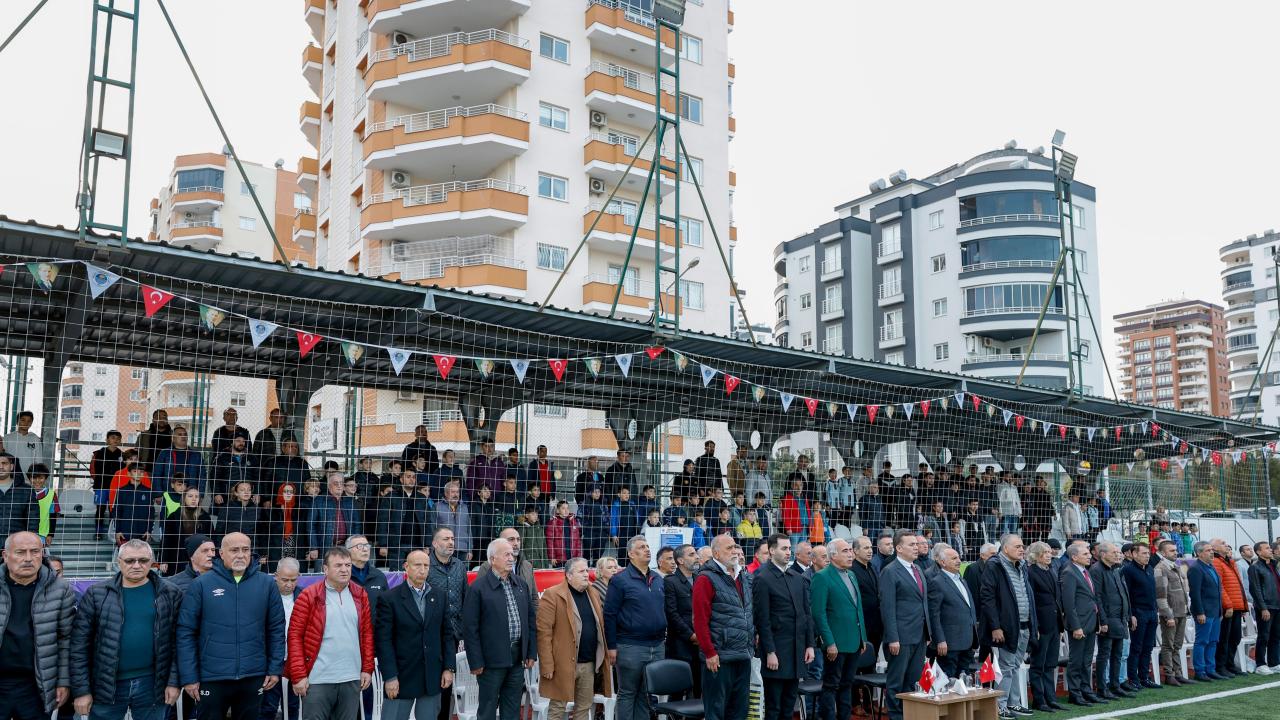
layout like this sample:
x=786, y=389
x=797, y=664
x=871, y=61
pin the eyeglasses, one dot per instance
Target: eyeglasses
x=135, y=561
x=359, y=546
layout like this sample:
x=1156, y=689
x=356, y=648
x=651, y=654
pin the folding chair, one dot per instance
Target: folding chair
x=669, y=677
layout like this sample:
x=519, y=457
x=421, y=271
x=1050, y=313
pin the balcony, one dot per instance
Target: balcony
x=308, y=174
x=606, y=156
x=619, y=29
x=1010, y=322
x=198, y=235
x=889, y=294
x=313, y=67
x=309, y=122
x=421, y=17
x=314, y=12
x=1004, y=219
x=1243, y=371
x=481, y=263
x=635, y=300
x=1237, y=290
x=304, y=225
x=987, y=268
x=833, y=347
x=624, y=95
x=467, y=68
x=892, y=336
x=476, y=207
x=733, y=126
x=887, y=252
x=455, y=141
x=832, y=308
x=1007, y=360
x=200, y=200
x=612, y=233
x=780, y=290
x=832, y=269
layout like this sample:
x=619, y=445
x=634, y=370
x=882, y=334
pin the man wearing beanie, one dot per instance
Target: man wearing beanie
x=201, y=551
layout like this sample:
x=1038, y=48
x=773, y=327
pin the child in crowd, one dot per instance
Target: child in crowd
x=47, y=508
x=749, y=528
x=533, y=539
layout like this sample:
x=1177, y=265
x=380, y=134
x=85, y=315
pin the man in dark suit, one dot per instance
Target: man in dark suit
x=678, y=594
x=868, y=578
x=415, y=644
x=499, y=630
x=780, y=603
x=1114, y=620
x=1080, y=615
x=904, y=609
x=952, y=614
x=1140, y=582
x=1010, y=618
x=1204, y=589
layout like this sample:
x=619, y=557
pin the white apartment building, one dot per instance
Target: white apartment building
x=472, y=143
x=1249, y=291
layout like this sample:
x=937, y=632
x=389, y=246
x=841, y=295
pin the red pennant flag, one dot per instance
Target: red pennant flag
x=977, y=402
x=1018, y=420
x=153, y=299
x=871, y=413
x=987, y=673
x=306, y=341
x=654, y=352
x=1062, y=431
x=1182, y=447
x=924, y=408
x=1155, y=429
x=444, y=363
x=557, y=369
x=926, y=679
x=1164, y=464
x=1117, y=433
x=812, y=404
x=730, y=384
x=1216, y=457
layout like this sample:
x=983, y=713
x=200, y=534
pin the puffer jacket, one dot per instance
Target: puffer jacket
x=306, y=630
x=52, y=613
x=1232, y=589
x=230, y=630
x=95, y=639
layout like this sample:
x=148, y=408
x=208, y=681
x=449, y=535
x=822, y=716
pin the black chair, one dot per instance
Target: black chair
x=878, y=683
x=671, y=677
x=807, y=689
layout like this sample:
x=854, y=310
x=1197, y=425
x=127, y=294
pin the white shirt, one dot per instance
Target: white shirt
x=959, y=583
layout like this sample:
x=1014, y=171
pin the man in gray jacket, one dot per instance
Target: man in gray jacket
x=37, y=609
x=1171, y=604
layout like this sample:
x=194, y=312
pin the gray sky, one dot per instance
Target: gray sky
x=1170, y=107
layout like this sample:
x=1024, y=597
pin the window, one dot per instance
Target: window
x=550, y=46
x=942, y=351
x=1143, y=344
x=895, y=358
x=135, y=417
x=99, y=414
x=244, y=188
x=1077, y=216
x=99, y=392
x=890, y=240
x=555, y=188
x=693, y=428
x=553, y=116
x=248, y=223
x=893, y=319
x=1006, y=248
x=831, y=258
x=938, y=262
x=199, y=179
x=632, y=284
x=101, y=370
x=940, y=307
x=691, y=108
x=691, y=49
x=692, y=169
x=1241, y=341
x=301, y=201
x=781, y=307
x=136, y=395
x=806, y=339
x=1142, y=357
x=691, y=295
x=551, y=257
x=832, y=301
x=99, y=437
x=806, y=301
x=834, y=340
x=1162, y=341
x=891, y=281
x=72, y=391
x=1008, y=202
x=935, y=220
x=1011, y=297
x=138, y=374
x=70, y=413
x=804, y=261
x=239, y=399
x=556, y=411
x=1082, y=261
x=691, y=231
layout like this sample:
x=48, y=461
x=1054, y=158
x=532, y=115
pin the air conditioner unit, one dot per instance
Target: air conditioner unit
x=403, y=394
x=401, y=38
x=597, y=186
x=597, y=119
x=400, y=180
x=988, y=342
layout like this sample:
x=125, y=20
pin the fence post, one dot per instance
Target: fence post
x=1266, y=476
x=1222, y=489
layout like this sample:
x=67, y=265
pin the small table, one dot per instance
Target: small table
x=978, y=704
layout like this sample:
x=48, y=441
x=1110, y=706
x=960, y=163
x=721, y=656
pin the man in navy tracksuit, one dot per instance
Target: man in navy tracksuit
x=635, y=627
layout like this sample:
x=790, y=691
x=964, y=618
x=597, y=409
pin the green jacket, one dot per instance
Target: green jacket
x=837, y=615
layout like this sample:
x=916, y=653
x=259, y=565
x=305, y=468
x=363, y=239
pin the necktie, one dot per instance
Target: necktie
x=340, y=526
x=915, y=573
x=1088, y=580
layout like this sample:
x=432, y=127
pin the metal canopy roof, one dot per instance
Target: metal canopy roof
x=378, y=312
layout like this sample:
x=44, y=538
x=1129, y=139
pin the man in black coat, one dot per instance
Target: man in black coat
x=785, y=627
x=500, y=644
x=421, y=446
x=677, y=591
x=1009, y=612
x=415, y=643
x=1080, y=617
x=1114, y=621
x=864, y=571
x=973, y=579
x=707, y=470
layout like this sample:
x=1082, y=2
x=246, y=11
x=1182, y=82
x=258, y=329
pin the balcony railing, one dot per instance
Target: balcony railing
x=831, y=266
x=833, y=347
x=1022, y=217
x=628, y=214
x=200, y=188
x=633, y=286
x=442, y=45
x=1013, y=357
x=628, y=149
x=832, y=305
x=439, y=192
x=1237, y=285
x=891, y=332
x=888, y=290
x=1009, y=265
x=630, y=12
x=362, y=40
x=1053, y=310
x=436, y=119
x=435, y=267
x=407, y=421
x=197, y=224
x=887, y=249
x=641, y=82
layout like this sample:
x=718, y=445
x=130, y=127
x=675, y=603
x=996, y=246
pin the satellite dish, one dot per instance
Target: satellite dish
x=1019, y=462
x=857, y=448
x=1011, y=145
x=944, y=456
x=632, y=428
x=755, y=439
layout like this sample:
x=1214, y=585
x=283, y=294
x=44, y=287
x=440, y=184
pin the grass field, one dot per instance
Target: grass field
x=1260, y=705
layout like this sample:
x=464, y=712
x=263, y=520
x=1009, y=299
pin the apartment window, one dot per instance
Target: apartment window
x=804, y=261
x=693, y=427
x=553, y=116
x=138, y=374
x=239, y=399
x=831, y=299
x=691, y=295
x=72, y=391
x=99, y=414
x=99, y=437
x=935, y=220
x=806, y=301
x=135, y=417
x=890, y=239
x=691, y=169
x=551, y=257
x=1144, y=344
x=834, y=340
x=891, y=281
x=1077, y=216
x=248, y=223
x=781, y=307
x=691, y=231
x=301, y=201
x=1162, y=341
x=691, y=49
x=942, y=351
x=940, y=307
x=553, y=187
x=1082, y=261
x=199, y=179
x=631, y=285
x=244, y=188
x=895, y=358
x=938, y=262
x=893, y=319
x=136, y=395
x=553, y=411
x=99, y=392
x=550, y=46
x=806, y=339
x=70, y=413
x=101, y=370
x=691, y=108
x=831, y=258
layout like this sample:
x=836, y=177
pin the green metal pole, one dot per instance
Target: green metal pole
x=22, y=24
x=631, y=244
x=1044, y=308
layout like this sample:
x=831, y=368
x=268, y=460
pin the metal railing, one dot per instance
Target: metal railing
x=629, y=217
x=831, y=347
x=887, y=249
x=197, y=224
x=832, y=305
x=439, y=192
x=326, y=144
x=442, y=45
x=1019, y=217
x=630, y=12
x=831, y=266
x=1237, y=285
x=435, y=267
x=641, y=82
x=359, y=103
x=407, y=421
x=632, y=286
x=1013, y=357
x=888, y=290
x=200, y=188
x=1008, y=264
x=436, y=119
x=362, y=41
x=891, y=332
x=628, y=149
x=1052, y=310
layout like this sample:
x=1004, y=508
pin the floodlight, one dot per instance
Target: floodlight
x=1059, y=137
x=1066, y=166
x=669, y=11
x=109, y=143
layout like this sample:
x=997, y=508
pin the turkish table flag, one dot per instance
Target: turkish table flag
x=926, y=679
x=987, y=673
x=153, y=299
x=306, y=341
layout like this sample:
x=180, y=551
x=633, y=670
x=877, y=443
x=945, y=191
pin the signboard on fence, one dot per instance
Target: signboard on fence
x=661, y=537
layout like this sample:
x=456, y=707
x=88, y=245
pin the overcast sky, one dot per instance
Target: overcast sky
x=1171, y=107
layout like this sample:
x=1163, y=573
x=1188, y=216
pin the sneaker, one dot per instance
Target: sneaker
x=1264, y=670
x=1275, y=669
x=1007, y=715
x=1019, y=710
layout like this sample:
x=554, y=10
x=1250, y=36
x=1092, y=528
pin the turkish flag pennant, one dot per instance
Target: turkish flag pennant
x=812, y=404
x=987, y=673
x=557, y=369
x=1182, y=448
x=444, y=363
x=730, y=384
x=977, y=402
x=654, y=352
x=306, y=341
x=153, y=299
x=1164, y=464
x=1216, y=457
x=1062, y=431
x=924, y=408
x=1118, y=431
x=1155, y=429
x=871, y=413
x=926, y=679
x=1018, y=420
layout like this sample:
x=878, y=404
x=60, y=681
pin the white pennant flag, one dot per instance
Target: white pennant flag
x=99, y=279
x=1235, y=456
x=1182, y=463
x=260, y=330
x=708, y=373
x=1173, y=444
x=1144, y=427
x=624, y=363
x=399, y=358
x=521, y=367
x=907, y=408
x=1092, y=430
x=786, y=400
x=1008, y=415
x=853, y=410
x=959, y=399
x=1204, y=453
x=1130, y=466
x=1047, y=428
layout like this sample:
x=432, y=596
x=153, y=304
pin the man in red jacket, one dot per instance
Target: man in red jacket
x=330, y=658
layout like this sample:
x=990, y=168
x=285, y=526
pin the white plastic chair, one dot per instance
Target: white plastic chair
x=466, y=691
x=537, y=704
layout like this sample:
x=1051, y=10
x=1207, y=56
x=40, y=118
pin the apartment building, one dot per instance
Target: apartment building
x=1251, y=315
x=472, y=143
x=1173, y=355
x=949, y=272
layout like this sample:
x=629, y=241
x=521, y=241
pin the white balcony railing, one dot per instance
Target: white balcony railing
x=832, y=305
x=630, y=12
x=833, y=347
x=200, y=188
x=1023, y=217
x=362, y=41
x=197, y=224
x=407, y=421
x=1053, y=310
x=641, y=82
x=891, y=332
x=888, y=249
x=628, y=213
x=436, y=119
x=1009, y=265
x=1013, y=357
x=439, y=192
x=888, y=290
x=831, y=266
x=442, y=45
x=435, y=267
